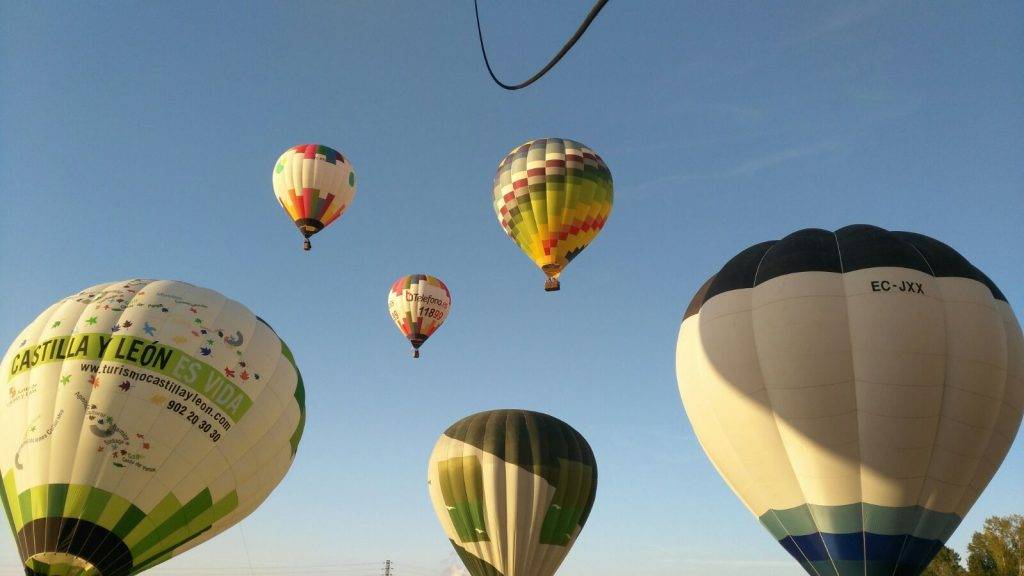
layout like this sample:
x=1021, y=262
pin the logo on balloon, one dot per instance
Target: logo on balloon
x=125, y=449
x=32, y=428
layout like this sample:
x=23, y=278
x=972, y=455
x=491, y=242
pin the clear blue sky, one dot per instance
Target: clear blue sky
x=137, y=140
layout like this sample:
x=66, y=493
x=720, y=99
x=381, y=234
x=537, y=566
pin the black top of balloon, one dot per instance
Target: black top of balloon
x=851, y=248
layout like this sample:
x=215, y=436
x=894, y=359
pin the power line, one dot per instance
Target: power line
x=258, y=567
x=418, y=571
x=565, y=49
x=336, y=569
x=323, y=569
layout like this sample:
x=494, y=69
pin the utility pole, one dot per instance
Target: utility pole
x=387, y=568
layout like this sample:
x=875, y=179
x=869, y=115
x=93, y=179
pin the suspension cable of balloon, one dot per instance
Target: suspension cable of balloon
x=245, y=546
x=565, y=49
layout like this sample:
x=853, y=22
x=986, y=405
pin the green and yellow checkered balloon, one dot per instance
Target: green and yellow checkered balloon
x=552, y=197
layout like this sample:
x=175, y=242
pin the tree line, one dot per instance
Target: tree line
x=996, y=550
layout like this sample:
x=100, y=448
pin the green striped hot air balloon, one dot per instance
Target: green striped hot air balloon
x=512, y=490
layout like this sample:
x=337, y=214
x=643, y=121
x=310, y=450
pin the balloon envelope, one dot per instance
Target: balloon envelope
x=314, y=184
x=856, y=389
x=512, y=490
x=552, y=197
x=418, y=305
x=140, y=419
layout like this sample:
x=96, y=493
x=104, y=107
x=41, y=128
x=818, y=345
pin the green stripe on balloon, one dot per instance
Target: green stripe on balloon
x=56, y=496
x=462, y=488
x=884, y=520
x=131, y=518
x=176, y=521
x=8, y=483
x=300, y=398
x=167, y=553
x=476, y=566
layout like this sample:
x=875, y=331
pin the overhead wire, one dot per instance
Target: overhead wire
x=340, y=569
x=551, y=64
x=288, y=571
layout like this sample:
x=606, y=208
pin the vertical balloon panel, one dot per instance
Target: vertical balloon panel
x=1010, y=414
x=734, y=423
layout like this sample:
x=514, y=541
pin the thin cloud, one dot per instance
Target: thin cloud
x=645, y=148
x=842, y=18
x=776, y=158
x=453, y=566
x=749, y=166
x=785, y=563
x=640, y=437
x=676, y=556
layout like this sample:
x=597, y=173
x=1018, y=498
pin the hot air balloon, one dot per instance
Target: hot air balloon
x=418, y=304
x=552, y=197
x=512, y=490
x=856, y=389
x=141, y=418
x=314, y=184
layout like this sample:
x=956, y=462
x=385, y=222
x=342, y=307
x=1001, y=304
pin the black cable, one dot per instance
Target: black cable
x=568, y=46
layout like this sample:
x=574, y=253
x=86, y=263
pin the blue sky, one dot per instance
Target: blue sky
x=137, y=140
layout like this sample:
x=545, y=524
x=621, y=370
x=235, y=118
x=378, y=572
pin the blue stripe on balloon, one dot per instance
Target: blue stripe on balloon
x=812, y=546
x=919, y=552
x=844, y=546
x=885, y=548
x=792, y=548
x=905, y=550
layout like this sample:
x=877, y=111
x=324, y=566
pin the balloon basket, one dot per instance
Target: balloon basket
x=306, y=245
x=552, y=285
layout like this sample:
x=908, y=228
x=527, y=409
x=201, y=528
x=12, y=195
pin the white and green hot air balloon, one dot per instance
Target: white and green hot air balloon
x=856, y=389
x=512, y=490
x=140, y=419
